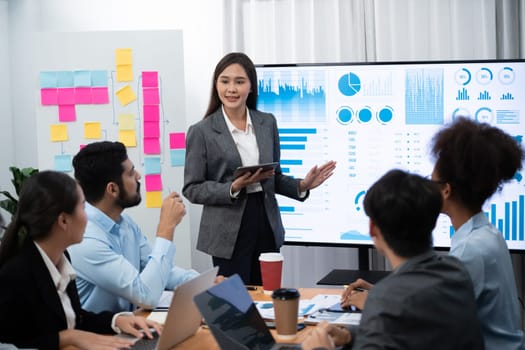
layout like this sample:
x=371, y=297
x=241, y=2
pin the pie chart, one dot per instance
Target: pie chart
x=349, y=84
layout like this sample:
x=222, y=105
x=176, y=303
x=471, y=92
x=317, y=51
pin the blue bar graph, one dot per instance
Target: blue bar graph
x=512, y=223
x=285, y=146
x=297, y=131
x=424, y=97
x=285, y=170
x=294, y=138
x=514, y=220
x=521, y=216
x=507, y=221
x=291, y=162
x=463, y=95
x=287, y=209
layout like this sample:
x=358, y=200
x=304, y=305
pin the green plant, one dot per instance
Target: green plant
x=10, y=204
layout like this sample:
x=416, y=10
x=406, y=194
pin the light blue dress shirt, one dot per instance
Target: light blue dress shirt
x=485, y=254
x=118, y=270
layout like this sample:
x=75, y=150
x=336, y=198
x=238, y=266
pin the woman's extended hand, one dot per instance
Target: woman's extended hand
x=316, y=176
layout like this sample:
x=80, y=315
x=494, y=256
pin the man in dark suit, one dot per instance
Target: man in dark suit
x=428, y=299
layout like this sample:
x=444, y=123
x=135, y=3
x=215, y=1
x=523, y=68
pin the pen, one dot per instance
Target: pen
x=357, y=289
x=251, y=287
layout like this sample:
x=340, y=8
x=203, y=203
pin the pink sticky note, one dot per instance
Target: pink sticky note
x=177, y=140
x=99, y=95
x=152, y=145
x=83, y=95
x=49, y=97
x=151, y=113
x=67, y=113
x=66, y=96
x=153, y=183
x=150, y=79
x=151, y=129
x=151, y=96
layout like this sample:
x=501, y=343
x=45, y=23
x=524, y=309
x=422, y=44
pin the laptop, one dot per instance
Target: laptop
x=183, y=318
x=234, y=319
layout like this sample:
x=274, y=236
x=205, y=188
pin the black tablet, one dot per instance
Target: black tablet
x=253, y=168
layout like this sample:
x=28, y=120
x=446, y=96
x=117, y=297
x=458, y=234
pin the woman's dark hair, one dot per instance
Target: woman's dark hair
x=42, y=198
x=475, y=159
x=96, y=165
x=405, y=208
x=249, y=67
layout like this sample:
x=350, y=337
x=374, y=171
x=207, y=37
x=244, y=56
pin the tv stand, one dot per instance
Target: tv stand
x=343, y=276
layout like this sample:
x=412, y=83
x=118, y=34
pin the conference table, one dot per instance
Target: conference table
x=203, y=338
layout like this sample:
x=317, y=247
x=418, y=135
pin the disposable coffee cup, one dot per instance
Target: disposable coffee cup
x=286, y=308
x=271, y=271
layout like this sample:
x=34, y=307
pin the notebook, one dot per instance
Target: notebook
x=234, y=319
x=183, y=318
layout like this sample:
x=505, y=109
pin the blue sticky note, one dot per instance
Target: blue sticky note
x=99, y=78
x=177, y=157
x=151, y=165
x=48, y=79
x=65, y=79
x=63, y=162
x=82, y=78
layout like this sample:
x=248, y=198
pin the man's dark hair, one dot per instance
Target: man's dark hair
x=405, y=208
x=96, y=165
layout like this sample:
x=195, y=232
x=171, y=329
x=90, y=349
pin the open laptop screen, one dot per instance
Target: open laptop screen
x=232, y=316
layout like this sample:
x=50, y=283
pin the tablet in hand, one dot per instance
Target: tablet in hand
x=253, y=168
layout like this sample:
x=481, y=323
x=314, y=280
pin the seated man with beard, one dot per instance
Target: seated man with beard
x=117, y=268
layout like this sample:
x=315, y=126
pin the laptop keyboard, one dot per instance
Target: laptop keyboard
x=146, y=343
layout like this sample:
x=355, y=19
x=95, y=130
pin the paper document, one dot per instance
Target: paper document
x=158, y=316
x=340, y=318
x=165, y=300
x=306, y=306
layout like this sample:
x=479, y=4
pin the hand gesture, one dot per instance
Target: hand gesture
x=316, y=176
x=356, y=293
x=171, y=214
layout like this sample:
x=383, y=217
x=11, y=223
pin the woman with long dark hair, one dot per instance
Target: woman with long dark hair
x=38, y=297
x=241, y=217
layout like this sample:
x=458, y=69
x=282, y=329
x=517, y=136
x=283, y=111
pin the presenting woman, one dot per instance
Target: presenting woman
x=240, y=218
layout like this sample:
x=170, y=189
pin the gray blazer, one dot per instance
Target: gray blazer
x=211, y=159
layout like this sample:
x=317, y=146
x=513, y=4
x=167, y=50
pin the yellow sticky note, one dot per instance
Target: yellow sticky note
x=154, y=199
x=126, y=122
x=123, y=56
x=92, y=130
x=59, y=132
x=126, y=95
x=124, y=72
x=128, y=138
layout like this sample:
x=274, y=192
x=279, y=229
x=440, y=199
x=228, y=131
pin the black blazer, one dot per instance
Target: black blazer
x=31, y=314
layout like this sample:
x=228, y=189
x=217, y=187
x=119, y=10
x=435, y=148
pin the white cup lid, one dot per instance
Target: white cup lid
x=271, y=257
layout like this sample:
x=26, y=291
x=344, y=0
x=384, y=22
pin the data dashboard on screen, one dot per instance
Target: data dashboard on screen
x=371, y=118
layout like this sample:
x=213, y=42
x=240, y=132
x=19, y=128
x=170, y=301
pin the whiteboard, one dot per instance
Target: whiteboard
x=160, y=51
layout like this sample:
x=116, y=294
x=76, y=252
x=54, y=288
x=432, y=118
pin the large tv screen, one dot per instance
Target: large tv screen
x=374, y=117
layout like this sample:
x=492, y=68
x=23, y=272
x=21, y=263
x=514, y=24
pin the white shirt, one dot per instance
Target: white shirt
x=61, y=274
x=246, y=145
